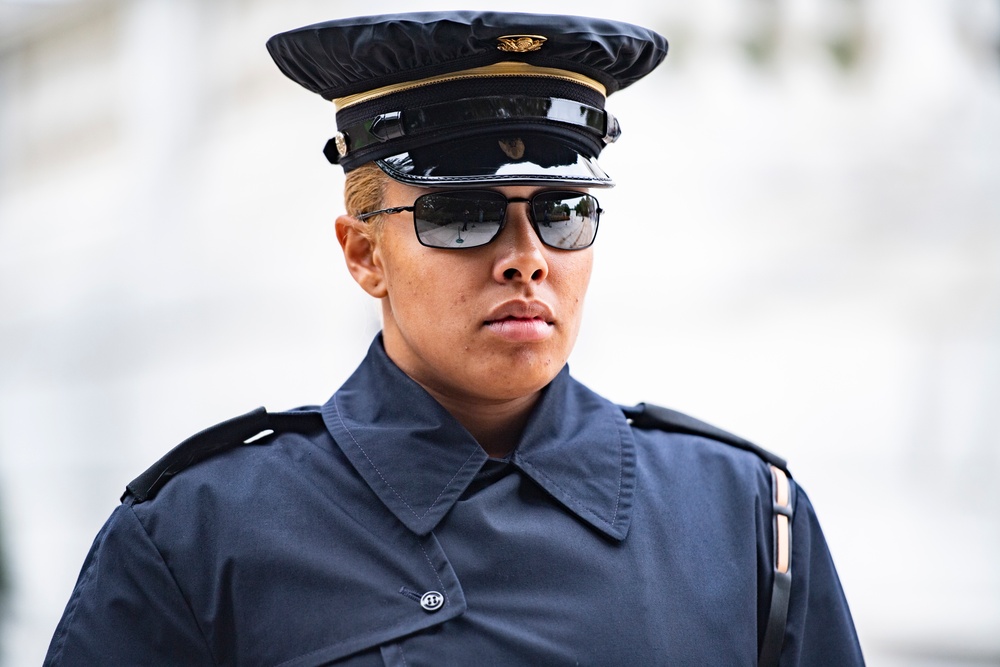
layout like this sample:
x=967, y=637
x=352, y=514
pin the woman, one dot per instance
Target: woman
x=483, y=330
x=462, y=498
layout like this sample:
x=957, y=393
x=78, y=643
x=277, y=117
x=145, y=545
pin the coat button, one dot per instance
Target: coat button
x=431, y=601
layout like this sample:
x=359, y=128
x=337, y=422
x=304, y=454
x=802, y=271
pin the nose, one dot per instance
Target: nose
x=521, y=256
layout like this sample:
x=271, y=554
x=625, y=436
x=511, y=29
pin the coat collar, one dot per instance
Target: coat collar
x=419, y=460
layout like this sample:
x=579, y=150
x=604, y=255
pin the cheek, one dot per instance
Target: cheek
x=577, y=278
x=425, y=299
x=401, y=264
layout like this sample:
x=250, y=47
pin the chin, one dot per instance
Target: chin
x=523, y=373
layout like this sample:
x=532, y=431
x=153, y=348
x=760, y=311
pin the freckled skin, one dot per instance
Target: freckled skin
x=435, y=304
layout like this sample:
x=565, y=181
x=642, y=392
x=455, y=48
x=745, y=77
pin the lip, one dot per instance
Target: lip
x=521, y=310
x=521, y=321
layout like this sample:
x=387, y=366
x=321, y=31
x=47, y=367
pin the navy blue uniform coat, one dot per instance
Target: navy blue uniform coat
x=593, y=543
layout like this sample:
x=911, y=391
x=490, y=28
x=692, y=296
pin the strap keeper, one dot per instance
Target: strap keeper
x=782, y=509
x=388, y=126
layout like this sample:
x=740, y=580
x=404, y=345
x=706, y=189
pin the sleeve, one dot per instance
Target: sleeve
x=126, y=608
x=819, y=630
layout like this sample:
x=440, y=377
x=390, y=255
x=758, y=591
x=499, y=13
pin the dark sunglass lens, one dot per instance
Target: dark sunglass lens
x=566, y=220
x=458, y=219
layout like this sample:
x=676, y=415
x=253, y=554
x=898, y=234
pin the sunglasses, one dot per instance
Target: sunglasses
x=472, y=218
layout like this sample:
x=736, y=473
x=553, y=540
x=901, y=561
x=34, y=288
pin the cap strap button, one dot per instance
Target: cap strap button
x=612, y=130
x=340, y=140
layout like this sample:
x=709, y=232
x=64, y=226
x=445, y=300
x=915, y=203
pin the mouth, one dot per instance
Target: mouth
x=518, y=309
x=512, y=318
x=521, y=321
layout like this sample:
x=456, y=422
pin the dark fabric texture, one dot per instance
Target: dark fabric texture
x=347, y=56
x=593, y=543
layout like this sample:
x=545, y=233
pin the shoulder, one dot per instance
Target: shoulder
x=243, y=485
x=686, y=456
x=647, y=416
x=241, y=470
x=231, y=437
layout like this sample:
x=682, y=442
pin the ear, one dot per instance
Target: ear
x=361, y=256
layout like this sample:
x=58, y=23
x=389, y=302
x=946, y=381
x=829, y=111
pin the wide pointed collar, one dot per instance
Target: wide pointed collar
x=419, y=460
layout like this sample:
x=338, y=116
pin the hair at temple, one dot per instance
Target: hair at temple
x=364, y=190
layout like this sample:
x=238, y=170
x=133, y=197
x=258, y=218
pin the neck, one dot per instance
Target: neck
x=496, y=425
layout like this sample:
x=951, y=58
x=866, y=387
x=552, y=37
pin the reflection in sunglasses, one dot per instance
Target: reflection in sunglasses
x=467, y=219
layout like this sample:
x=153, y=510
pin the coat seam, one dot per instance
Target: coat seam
x=180, y=591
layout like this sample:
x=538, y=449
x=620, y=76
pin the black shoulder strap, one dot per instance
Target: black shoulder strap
x=783, y=499
x=231, y=433
x=645, y=415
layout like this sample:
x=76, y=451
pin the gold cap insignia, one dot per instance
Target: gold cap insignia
x=520, y=43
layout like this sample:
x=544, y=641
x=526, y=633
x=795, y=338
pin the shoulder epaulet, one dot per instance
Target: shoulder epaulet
x=647, y=415
x=221, y=437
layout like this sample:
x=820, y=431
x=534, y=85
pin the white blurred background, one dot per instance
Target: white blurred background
x=804, y=248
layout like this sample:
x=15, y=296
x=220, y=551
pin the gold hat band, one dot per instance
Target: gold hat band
x=497, y=69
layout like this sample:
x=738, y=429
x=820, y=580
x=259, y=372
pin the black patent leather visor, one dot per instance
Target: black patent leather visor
x=525, y=159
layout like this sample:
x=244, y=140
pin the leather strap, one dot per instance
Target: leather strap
x=774, y=635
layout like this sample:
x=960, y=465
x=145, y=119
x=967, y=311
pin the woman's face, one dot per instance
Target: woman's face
x=491, y=323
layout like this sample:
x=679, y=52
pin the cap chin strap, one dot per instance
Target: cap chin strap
x=474, y=110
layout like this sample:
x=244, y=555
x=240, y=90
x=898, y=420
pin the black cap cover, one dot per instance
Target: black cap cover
x=471, y=98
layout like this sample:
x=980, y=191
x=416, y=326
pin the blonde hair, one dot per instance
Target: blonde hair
x=364, y=191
